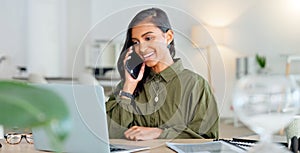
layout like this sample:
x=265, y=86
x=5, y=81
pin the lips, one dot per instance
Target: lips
x=148, y=55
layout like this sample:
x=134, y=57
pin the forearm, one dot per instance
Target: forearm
x=188, y=133
x=177, y=132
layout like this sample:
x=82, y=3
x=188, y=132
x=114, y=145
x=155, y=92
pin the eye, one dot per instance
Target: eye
x=134, y=42
x=148, y=38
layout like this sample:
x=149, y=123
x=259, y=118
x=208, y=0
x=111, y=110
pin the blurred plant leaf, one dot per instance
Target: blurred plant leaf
x=26, y=106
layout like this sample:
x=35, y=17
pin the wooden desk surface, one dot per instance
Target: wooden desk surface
x=155, y=145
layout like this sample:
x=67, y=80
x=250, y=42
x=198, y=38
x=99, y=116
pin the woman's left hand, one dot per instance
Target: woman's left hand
x=142, y=133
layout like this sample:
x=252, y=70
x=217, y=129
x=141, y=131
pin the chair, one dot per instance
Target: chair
x=289, y=60
x=296, y=77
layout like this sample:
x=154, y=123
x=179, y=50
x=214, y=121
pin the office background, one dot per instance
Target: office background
x=47, y=36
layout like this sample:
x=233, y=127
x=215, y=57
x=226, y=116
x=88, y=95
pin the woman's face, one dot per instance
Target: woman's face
x=151, y=44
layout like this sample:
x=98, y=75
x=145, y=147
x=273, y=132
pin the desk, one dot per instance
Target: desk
x=23, y=147
x=155, y=145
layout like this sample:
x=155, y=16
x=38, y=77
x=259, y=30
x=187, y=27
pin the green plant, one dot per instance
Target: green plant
x=27, y=106
x=261, y=61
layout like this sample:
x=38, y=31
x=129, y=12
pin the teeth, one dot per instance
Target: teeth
x=148, y=55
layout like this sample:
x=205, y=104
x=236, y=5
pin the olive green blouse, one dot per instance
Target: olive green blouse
x=176, y=100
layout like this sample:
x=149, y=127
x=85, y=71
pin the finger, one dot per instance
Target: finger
x=141, y=73
x=132, y=133
x=129, y=57
x=135, y=135
x=130, y=130
x=129, y=51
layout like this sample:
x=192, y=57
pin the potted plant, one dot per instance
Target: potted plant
x=27, y=106
x=261, y=61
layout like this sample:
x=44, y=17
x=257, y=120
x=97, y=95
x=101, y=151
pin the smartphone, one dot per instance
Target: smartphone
x=134, y=64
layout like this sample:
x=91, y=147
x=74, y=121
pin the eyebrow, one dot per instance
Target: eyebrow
x=146, y=33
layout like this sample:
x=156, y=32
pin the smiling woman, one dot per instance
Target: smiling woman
x=165, y=100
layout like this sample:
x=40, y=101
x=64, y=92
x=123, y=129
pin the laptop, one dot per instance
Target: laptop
x=89, y=132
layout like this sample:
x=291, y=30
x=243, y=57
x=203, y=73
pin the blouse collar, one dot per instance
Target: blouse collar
x=169, y=73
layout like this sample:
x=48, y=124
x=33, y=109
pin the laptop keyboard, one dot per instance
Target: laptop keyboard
x=115, y=148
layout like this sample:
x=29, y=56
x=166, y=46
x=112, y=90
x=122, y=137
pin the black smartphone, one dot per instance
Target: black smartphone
x=134, y=64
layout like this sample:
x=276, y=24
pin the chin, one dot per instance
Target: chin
x=151, y=63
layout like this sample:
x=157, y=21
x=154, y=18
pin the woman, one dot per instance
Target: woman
x=165, y=100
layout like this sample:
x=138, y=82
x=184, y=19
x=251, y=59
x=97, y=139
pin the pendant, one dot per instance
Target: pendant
x=156, y=99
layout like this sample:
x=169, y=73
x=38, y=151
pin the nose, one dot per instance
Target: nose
x=143, y=47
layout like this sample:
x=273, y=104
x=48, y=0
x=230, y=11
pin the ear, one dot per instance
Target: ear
x=169, y=36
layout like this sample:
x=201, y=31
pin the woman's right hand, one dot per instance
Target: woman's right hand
x=131, y=83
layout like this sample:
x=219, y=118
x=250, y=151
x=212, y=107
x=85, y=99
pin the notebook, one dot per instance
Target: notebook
x=89, y=132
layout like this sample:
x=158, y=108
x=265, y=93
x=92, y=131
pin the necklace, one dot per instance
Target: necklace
x=156, y=90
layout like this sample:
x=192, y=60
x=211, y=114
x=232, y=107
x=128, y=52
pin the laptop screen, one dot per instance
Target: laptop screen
x=89, y=131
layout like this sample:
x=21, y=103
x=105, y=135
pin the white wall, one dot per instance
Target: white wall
x=12, y=36
x=45, y=36
x=12, y=29
x=268, y=28
x=78, y=24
